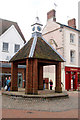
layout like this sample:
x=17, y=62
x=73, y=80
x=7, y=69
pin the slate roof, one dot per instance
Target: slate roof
x=68, y=26
x=37, y=47
x=6, y=24
x=23, y=53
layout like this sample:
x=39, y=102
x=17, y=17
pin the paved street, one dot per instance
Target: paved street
x=40, y=108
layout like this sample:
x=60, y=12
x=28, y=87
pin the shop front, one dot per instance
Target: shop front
x=72, y=78
x=6, y=72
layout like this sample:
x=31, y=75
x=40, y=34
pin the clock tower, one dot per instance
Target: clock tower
x=36, y=27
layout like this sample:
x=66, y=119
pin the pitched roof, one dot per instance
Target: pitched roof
x=68, y=26
x=37, y=47
x=5, y=24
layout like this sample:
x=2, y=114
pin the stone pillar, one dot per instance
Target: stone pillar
x=58, y=78
x=29, y=77
x=14, y=76
x=40, y=77
x=35, y=76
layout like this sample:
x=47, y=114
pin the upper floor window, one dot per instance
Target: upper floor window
x=79, y=40
x=72, y=36
x=17, y=47
x=72, y=56
x=79, y=55
x=5, y=46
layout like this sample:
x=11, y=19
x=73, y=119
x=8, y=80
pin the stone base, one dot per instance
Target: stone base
x=31, y=91
x=35, y=92
x=40, y=88
x=28, y=93
x=14, y=88
x=58, y=90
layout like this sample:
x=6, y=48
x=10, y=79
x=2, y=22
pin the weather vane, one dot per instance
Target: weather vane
x=55, y=5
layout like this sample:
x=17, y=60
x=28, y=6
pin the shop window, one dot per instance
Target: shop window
x=5, y=46
x=72, y=36
x=72, y=56
x=78, y=77
x=17, y=47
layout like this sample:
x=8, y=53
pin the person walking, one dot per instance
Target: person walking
x=8, y=83
x=5, y=84
x=51, y=84
x=5, y=81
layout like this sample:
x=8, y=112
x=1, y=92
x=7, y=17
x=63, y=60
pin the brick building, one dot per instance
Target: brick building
x=11, y=40
x=66, y=40
x=35, y=54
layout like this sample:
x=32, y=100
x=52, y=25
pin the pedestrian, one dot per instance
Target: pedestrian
x=5, y=84
x=5, y=81
x=8, y=83
x=62, y=84
x=51, y=84
x=44, y=84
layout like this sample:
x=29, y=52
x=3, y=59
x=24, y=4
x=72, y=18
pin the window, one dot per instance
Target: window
x=79, y=40
x=79, y=55
x=72, y=56
x=5, y=46
x=17, y=47
x=72, y=38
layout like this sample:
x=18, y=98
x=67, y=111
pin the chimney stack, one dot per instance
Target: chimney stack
x=51, y=15
x=72, y=23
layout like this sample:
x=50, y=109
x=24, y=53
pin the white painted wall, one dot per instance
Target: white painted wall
x=69, y=46
x=12, y=37
x=79, y=50
x=49, y=72
x=63, y=40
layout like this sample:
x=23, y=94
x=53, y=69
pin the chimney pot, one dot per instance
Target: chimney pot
x=51, y=14
x=72, y=23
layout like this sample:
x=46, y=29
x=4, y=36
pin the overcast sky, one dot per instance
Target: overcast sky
x=24, y=12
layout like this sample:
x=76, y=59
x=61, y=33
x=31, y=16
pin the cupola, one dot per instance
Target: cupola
x=36, y=26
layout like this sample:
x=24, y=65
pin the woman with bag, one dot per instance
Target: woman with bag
x=5, y=84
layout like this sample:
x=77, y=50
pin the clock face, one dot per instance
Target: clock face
x=38, y=28
x=33, y=29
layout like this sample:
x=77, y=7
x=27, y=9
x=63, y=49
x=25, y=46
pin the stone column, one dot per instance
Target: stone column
x=40, y=77
x=58, y=78
x=35, y=76
x=29, y=77
x=14, y=76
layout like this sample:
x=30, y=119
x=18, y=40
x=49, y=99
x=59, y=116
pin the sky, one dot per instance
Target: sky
x=24, y=12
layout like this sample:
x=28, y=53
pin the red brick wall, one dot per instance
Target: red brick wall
x=58, y=78
x=72, y=23
x=14, y=76
x=31, y=76
x=51, y=14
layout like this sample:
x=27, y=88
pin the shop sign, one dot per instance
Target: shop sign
x=74, y=69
